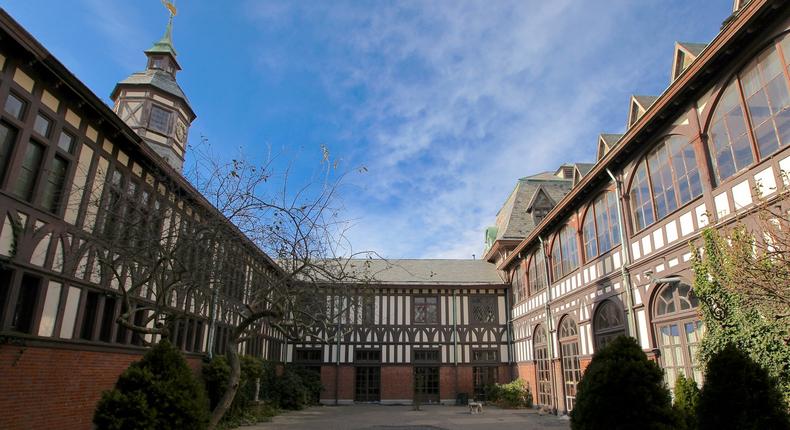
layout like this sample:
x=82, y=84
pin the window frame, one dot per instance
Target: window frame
x=664, y=143
x=565, y=265
x=169, y=121
x=414, y=318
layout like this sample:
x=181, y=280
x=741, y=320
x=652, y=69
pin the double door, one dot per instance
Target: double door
x=368, y=384
x=426, y=384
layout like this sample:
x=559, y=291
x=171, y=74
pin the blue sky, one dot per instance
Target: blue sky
x=446, y=103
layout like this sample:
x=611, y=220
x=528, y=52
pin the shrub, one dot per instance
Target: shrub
x=514, y=394
x=622, y=389
x=294, y=389
x=738, y=393
x=686, y=401
x=216, y=374
x=157, y=392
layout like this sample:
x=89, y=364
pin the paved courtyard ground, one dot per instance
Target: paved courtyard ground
x=379, y=417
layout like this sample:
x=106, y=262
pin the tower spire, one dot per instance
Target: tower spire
x=165, y=44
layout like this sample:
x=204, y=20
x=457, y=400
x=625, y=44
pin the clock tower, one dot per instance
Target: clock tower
x=152, y=103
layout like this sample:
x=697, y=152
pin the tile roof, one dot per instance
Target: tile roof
x=645, y=101
x=428, y=271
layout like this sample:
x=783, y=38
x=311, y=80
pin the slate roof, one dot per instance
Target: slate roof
x=646, y=101
x=156, y=78
x=694, y=48
x=584, y=168
x=611, y=139
x=513, y=221
x=428, y=271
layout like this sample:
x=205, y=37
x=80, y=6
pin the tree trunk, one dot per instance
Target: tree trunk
x=233, y=384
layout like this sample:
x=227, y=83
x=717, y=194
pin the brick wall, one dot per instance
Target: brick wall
x=526, y=371
x=345, y=386
x=42, y=388
x=397, y=382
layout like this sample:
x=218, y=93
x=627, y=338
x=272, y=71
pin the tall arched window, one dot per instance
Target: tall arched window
x=537, y=273
x=609, y=323
x=678, y=331
x=571, y=369
x=540, y=345
x=761, y=91
x=601, y=228
x=518, y=284
x=666, y=179
x=564, y=253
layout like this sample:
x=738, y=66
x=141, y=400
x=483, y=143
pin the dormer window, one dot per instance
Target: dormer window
x=635, y=113
x=639, y=105
x=685, y=54
x=158, y=63
x=159, y=120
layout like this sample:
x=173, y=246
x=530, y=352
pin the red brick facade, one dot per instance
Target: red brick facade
x=64, y=384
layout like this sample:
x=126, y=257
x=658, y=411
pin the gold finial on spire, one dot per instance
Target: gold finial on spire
x=170, y=6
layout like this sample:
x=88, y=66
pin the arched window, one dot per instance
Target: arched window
x=666, y=179
x=608, y=324
x=540, y=345
x=678, y=331
x=537, y=273
x=519, y=291
x=564, y=253
x=761, y=91
x=571, y=369
x=601, y=228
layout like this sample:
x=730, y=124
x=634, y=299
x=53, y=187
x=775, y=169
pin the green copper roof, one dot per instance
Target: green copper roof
x=165, y=44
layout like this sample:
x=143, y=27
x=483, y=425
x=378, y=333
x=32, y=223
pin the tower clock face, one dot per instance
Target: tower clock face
x=181, y=131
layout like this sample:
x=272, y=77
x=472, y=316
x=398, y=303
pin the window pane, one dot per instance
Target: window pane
x=589, y=234
x=15, y=106
x=42, y=125
x=160, y=119
x=66, y=142
x=7, y=139
x=729, y=143
x=28, y=171
x=53, y=187
x=641, y=202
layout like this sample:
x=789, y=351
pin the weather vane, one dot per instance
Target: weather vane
x=170, y=6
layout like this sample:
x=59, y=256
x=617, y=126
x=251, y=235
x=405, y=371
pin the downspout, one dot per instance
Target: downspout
x=549, y=329
x=510, y=347
x=212, y=324
x=337, y=362
x=455, y=345
x=626, y=259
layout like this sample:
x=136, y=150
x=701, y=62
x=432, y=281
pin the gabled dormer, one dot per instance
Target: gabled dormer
x=580, y=170
x=638, y=106
x=565, y=171
x=739, y=4
x=605, y=144
x=540, y=205
x=685, y=54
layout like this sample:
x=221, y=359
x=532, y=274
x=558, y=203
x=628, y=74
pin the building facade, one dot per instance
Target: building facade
x=702, y=154
x=577, y=257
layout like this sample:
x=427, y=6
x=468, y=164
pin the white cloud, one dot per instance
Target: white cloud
x=461, y=99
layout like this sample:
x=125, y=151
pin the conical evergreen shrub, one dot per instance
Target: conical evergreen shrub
x=158, y=392
x=622, y=390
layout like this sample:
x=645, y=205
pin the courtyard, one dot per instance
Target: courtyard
x=379, y=417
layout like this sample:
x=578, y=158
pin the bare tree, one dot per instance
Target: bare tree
x=315, y=283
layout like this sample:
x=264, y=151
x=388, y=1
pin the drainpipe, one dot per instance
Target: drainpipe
x=510, y=347
x=337, y=362
x=455, y=345
x=549, y=329
x=626, y=259
x=212, y=324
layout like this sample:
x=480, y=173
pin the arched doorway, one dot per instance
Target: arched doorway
x=678, y=331
x=569, y=354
